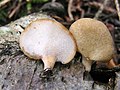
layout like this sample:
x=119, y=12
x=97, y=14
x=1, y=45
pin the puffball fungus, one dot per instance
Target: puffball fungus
x=94, y=41
x=48, y=40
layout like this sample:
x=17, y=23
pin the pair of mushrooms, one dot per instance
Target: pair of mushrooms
x=50, y=41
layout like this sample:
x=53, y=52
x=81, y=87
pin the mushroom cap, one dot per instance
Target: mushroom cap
x=93, y=39
x=47, y=37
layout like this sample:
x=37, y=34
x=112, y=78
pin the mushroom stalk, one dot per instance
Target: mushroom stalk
x=49, y=62
x=87, y=63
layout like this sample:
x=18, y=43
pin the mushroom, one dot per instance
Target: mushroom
x=94, y=41
x=48, y=40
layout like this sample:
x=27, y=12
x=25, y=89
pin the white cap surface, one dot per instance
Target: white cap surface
x=46, y=37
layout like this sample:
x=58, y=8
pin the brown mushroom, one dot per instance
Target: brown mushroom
x=94, y=41
x=48, y=40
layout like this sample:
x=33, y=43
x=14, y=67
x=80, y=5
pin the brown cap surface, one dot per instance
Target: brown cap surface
x=93, y=39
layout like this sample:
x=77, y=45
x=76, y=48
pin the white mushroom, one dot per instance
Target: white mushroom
x=48, y=40
x=94, y=41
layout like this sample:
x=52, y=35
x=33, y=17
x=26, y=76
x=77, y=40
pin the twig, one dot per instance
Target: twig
x=118, y=8
x=106, y=8
x=101, y=9
x=78, y=7
x=14, y=10
x=2, y=3
x=69, y=9
x=13, y=6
